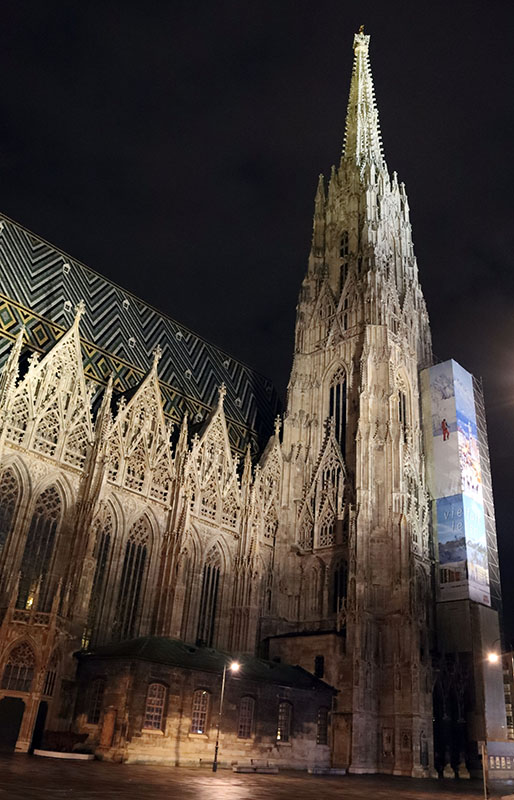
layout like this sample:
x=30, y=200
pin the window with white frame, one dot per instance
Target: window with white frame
x=154, y=709
x=246, y=711
x=199, y=717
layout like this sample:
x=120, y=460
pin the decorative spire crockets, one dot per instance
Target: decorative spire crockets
x=362, y=139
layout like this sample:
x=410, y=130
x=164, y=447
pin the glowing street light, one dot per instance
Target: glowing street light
x=233, y=667
x=493, y=656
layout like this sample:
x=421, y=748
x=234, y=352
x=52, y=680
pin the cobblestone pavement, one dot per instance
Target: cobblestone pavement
x=27, y=778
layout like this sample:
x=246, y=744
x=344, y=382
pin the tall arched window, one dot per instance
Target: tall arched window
x=285, y=714
x=402, y=413
x=132, y=574
x=8, y=499
x=209, y=598
x=340, y=585
x=154, y=708
x=103, y=540
x=337, y=408
x=19, y=670
x=39, y=547
x=245, y=724
x=200, y=711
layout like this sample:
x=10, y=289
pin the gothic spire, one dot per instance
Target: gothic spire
x=362, y=139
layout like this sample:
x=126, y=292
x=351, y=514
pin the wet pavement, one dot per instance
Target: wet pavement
x=30, y=777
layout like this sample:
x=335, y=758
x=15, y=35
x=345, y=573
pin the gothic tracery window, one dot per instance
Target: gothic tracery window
x=209, y=598
x=402, y=412
x=338, y=408
x=132, y=575
x=9, y=491
x=19, y=670
x=103, y=541
x=39, y=547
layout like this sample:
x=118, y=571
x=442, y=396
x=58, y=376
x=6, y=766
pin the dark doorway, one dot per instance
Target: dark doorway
x=39, y=727
x=11, y=715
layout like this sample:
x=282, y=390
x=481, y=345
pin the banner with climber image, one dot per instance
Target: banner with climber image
x=455, y=482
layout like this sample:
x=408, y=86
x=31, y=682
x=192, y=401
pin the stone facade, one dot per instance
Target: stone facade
x=114, y=527
x=153, y=711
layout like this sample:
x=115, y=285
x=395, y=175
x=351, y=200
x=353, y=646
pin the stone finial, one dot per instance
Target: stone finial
x=361, y=41
x=156, y=353
x=79, y=311
x=222, y=392
x=277, y=425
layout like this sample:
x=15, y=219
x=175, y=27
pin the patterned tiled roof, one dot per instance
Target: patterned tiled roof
x=40, y=287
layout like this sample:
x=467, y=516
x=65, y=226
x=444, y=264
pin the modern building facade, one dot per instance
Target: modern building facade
x=316, y=549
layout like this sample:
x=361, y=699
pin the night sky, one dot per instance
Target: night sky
x=175, y=148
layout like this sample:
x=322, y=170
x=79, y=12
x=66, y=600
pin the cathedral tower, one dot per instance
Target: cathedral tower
x=352, y=582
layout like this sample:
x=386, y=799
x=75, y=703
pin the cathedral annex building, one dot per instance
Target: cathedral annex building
x=158, y=515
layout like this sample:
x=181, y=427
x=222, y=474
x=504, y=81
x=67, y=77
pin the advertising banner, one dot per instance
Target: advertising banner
x=453, y=462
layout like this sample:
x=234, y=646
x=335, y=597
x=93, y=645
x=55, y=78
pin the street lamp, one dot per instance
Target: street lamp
x=233, y=667
x=493, y=657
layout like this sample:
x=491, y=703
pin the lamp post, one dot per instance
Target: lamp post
x=493, y=657
x=233, y=667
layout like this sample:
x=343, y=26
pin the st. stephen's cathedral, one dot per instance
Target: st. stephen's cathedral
x=151, y=490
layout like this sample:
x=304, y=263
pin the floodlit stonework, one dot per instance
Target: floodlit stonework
x=116, y=525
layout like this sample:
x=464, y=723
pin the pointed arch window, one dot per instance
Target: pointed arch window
x=315, y=591
x=132, y=575
x=209, y=599
x=344, y=245
x=19, y=670
x=39, y=547
x=306, y=535
x=338, y=408
x=402, y=413
x=9, y=492
x=339, y=586
x=103, y=542
x=154, y=708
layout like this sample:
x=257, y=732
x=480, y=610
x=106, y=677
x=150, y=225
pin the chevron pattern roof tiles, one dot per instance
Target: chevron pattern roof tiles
x=40, y=287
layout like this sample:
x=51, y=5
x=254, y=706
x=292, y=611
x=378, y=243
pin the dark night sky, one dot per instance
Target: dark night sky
x=175, y=148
